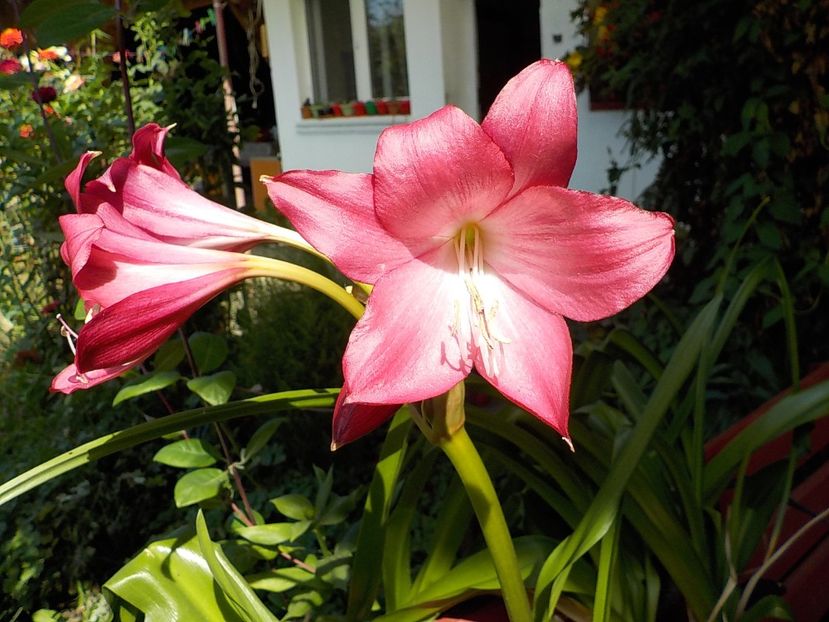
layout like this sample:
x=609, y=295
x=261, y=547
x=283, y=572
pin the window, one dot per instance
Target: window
x=357, y=50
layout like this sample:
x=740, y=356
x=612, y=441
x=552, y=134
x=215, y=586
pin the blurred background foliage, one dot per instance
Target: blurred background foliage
x=732, y=97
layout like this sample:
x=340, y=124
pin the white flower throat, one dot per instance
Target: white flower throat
x=482, y=302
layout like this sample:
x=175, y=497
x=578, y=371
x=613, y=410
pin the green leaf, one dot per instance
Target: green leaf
x=47, y=615
x=260, y=438
x=269, y=534
x=73, y=22
x=208, y=350
x=604, y=506
x=169, y=355
x=240, y=595
x=284, y=579
x=368, y=556
x=214, y=389
x=790, y=412
x=199, y=485
x=14, y=81
x=770, y=607
x=170, y=580
x=294, y=506
x=79, y=313
x=187, y=454
x=151, y=430
x=477, y=572
x=182, y=150
x=146, y=384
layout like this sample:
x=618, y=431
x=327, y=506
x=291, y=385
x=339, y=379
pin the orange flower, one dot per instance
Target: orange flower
x=47, y=54
x=10, y=38
x=26, y=130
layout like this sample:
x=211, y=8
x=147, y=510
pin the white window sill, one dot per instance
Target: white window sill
x=349, y=125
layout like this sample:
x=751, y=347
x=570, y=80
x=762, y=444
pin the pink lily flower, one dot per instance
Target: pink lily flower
x=149, y=193
x=139, y=290
x=477, y=251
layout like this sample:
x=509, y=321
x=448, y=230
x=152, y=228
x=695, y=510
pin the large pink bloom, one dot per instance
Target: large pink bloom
x=148, y=192
x=139, y=288
x=477, y=251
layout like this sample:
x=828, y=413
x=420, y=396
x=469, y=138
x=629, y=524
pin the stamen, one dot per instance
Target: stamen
x=66, y=331
x=482, y=312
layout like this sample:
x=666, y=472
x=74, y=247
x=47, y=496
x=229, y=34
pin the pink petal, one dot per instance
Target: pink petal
x=585, y=256
x=137, y=325
x=534, y=122
x=351, y=421
x=533, y=369
x=334, y=211
x=148, y=149
x=433, y=175
x=73, y=180
x=68, y=380
x=119, y=266
x=162, y=205
x=403, y=349
x=79, y=231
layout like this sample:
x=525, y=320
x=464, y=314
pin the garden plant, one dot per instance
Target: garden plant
x=524, y=421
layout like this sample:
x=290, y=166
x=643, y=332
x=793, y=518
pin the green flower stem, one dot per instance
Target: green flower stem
x=264, y=266
x=467, y=462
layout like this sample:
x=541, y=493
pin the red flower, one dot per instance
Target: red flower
x=44, y=95
x=10, y=66
x=26, y=130
x=10, y=38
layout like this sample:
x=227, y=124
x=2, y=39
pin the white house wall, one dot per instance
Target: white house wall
x=442, y=67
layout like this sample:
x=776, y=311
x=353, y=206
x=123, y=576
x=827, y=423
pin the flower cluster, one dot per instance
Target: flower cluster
x=145, y=252
x=474, y=246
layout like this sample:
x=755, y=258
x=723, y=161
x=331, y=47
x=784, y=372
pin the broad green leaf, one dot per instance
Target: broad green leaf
x=187, y=454
x=151, y=430
x=170, y=580
x=261, y=437
x=169, y=355
x=294, y=506
x=339, y=507
x=368, y=556
x=208, y=350
x=146, y=384
x=214, y=389
x=239, y=594
x=271, y=534
x=284, y=579
x=73, y=22
x=199, y=485
x=38, y=11
x=47, y=615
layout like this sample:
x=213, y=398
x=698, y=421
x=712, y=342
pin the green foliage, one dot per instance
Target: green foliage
x=739, y=113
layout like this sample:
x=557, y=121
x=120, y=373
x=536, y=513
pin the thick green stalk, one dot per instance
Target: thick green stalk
x=467, y=462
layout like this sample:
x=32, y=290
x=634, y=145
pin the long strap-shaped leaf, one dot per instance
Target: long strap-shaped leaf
x=366, y=573
x=602, y=511
x=124, y=439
